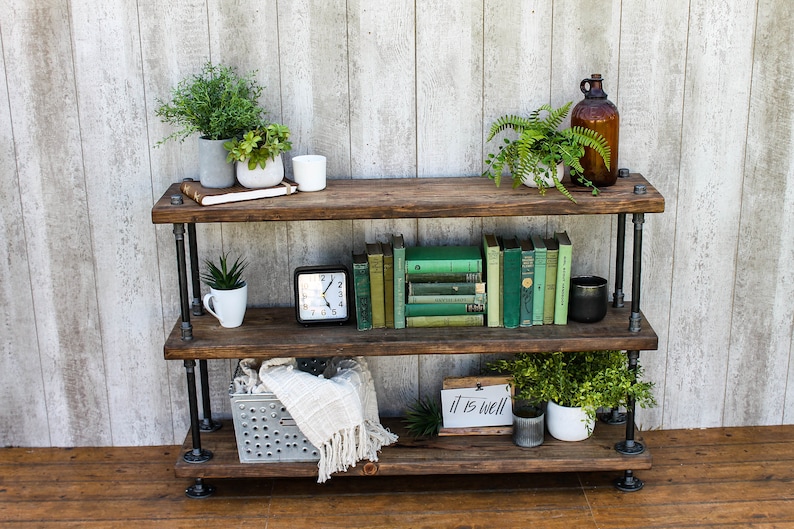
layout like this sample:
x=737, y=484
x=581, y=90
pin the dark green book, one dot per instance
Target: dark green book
x=361, y=292
x=527, y=283
x=443, y=309
x=442, y=259
x=511, y=291
x=562, y=293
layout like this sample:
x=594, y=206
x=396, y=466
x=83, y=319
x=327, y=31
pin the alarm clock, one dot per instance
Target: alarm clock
x=322, y=294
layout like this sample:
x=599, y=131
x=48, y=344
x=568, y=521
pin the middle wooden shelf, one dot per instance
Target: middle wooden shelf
x=273, y=333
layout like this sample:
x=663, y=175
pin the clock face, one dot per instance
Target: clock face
x=321, y=294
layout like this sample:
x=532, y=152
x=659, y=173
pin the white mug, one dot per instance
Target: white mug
x=227, y=305
x=308, y=171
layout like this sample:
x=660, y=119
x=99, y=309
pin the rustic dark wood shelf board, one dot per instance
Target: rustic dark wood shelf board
x=392, y=198
x=273, y=332
x=480, y=454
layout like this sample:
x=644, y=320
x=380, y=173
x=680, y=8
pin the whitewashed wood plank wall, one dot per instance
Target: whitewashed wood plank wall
x=384, y=88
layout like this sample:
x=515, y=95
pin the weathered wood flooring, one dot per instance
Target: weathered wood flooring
x=724, y=477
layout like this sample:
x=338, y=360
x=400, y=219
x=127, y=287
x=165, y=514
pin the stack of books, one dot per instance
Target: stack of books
x=528, y=280
x=507, y=282
x=444, y=287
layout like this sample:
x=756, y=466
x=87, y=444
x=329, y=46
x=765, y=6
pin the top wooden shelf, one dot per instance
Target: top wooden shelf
x=392, y=198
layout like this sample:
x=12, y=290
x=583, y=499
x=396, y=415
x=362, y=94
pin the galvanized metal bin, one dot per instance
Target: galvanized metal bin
x=265, y=432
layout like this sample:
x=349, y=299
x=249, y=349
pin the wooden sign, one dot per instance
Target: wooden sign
x=477, y=406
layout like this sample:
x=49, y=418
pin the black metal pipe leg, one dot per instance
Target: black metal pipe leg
x=630, y=446
x=629, y=482
x=635, y=320
x=197, y=454
x=198, y=308
x=207, y=424
x=618, y=296
x=179, y=237
x=199, y=490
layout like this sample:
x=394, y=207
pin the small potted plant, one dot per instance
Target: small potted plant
x=586, y=380
x=218, y=104
x=258, y=155
x=423, y=418
x=228, y=295
x=538, y=155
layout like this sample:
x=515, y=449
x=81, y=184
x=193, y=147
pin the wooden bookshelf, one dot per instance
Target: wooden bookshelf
x=273, y=332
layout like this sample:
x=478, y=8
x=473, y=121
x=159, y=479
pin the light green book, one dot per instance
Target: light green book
x=491, y=250
x=540, y=280
x=442, y=259
x=375, y=261
x=562, y=292
x=552, y=251
x=398, y=248
x=463, y=320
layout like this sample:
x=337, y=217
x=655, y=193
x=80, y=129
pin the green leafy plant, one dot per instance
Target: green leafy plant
x=423, y=418
x=259, y=145
x=587, y=379
x=540, y=146
x=222, y=277
x=217, y=103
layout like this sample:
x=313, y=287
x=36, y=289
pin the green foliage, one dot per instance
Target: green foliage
x=540, y=146
x=221, y=277
x=590, y=379
x=259, y=145
x=217, y=103
x=423, y=418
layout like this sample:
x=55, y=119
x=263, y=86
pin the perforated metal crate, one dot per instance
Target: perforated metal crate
x=265, y=432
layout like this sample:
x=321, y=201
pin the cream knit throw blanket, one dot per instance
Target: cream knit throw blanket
x=339, y=415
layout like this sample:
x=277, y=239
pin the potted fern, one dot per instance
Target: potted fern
x=218, y=104
x=576, y=385
x=228, y=295
x=538, y=155
x=258, y=155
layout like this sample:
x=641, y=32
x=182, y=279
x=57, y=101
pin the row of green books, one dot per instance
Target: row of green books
x=422, y=286
x=507, y=282
x=528, y=280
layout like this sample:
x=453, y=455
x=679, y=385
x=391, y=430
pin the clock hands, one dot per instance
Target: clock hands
x=326, y=290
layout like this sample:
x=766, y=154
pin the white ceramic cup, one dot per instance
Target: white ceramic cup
x=227, y=305
x=308, y=171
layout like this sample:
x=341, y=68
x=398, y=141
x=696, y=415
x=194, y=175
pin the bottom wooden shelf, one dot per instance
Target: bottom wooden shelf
x=480, y=454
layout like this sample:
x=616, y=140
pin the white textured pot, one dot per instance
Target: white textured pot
x=568, y=424
x=530, y=180
x=214, y=170
x=268, y=176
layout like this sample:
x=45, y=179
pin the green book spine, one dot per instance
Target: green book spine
x=443, y=309
x=540, y=280
x=527, y=282
x=388, y=284
x=452, y=277
x=361, y=291
x=552, y=252
x=511, y=298
x=423, y=289
x=449, y=298
x=562, y=293
x=490, y=246
x=442, y=259
x=463, y=320
x=375, y=260
x=398, y=248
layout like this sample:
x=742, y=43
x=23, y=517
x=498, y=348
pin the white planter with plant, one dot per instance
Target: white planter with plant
x=258, y=155
x=219, y=105
x=588, y=380
x=540, y=147
x=228, y=295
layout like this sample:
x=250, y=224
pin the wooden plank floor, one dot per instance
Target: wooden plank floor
x=718, y=478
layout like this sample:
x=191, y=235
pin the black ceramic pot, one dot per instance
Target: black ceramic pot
x=588, y=299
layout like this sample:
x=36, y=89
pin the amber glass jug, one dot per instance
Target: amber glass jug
x=598, y=113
